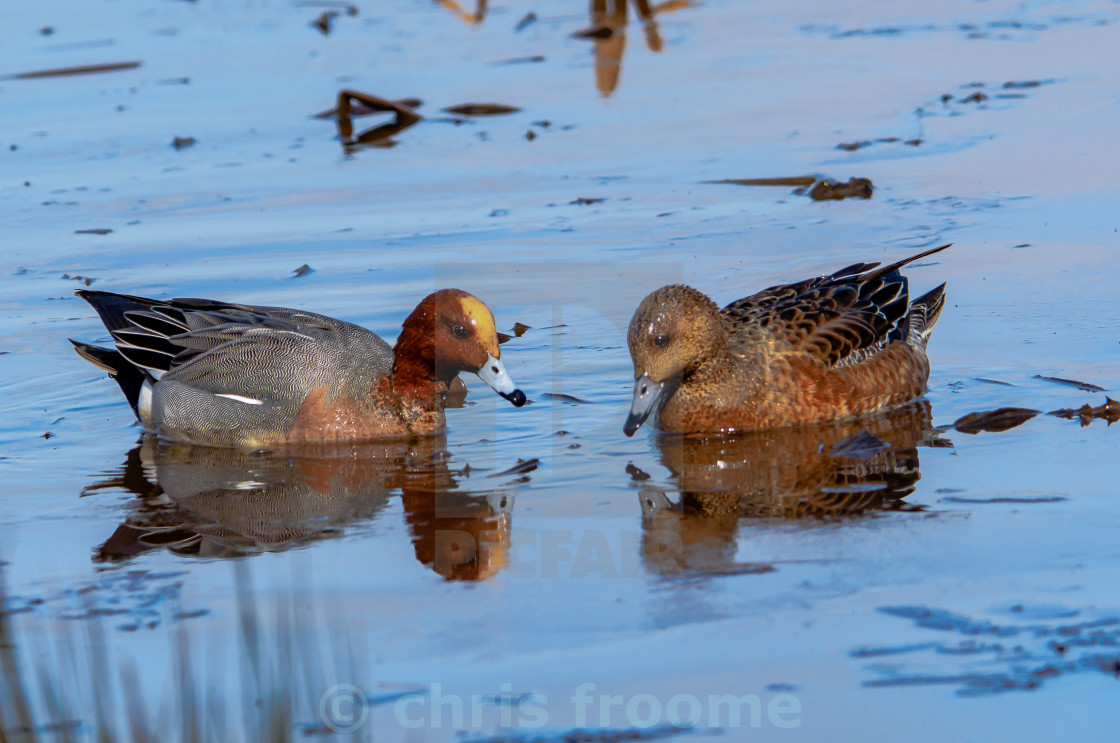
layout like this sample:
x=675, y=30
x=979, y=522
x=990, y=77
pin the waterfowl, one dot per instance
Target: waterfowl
x=215, y=373
x=821, y=349
x=235, y=502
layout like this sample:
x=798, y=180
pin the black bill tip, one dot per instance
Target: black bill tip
x=517, y=397
x=632, y=424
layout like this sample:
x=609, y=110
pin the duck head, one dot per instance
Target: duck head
x=671, y=334
x=451, y=331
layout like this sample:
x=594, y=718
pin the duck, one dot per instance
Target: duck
x=215, y=373
x=822, y=349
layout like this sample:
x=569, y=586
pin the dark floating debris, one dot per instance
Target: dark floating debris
x=95, y=231
x=353, y=103
x=1083, y=386
x=727, y=571
x=1006, y=499
x=594, y=32
x=637, y=474
x=481, y=109
x=830, y=190
x=797, y=180
x=1002, y=419
x=502, y=338
x=993, y=381
x=520, y=328
x=863, y=446
x=818, y=189
x=87, y=280
x=585, y=201
x=523, y=467
x=526, y=20
x=302, y=271
x=359, y=108
x=80, y=70
x=1109, y=411
x=520, y=60
x=853, y=146
x=565, y=398
x=1010, y=90
x=323, y=22
x=181, y=143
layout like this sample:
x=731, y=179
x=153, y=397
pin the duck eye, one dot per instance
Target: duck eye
x=459, y=331
x=662, y=340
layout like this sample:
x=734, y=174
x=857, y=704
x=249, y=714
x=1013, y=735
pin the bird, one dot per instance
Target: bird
x=821, y=349
x=215, y=373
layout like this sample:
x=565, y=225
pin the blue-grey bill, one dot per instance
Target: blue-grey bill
x=494, y=373
x=646, y=394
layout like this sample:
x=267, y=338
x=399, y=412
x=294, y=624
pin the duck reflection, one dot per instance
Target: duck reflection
x=353, y=103
x=216, y=503
x=472, y=19
x=846, y=468
x=608, y=33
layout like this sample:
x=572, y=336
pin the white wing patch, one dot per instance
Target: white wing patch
x=144, y=403
x=243, y=399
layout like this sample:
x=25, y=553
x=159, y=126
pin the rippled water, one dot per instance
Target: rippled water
x=536, y=572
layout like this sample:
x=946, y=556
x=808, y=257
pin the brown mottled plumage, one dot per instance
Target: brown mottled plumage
x=214, y=373
x=825, y=348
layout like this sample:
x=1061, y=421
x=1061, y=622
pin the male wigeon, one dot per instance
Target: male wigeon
x=216, y=373
x=820, y=349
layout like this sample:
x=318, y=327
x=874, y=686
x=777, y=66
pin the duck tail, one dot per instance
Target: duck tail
x=923, y=315
x=887, y=270
x=130, y=378
x=111, y=308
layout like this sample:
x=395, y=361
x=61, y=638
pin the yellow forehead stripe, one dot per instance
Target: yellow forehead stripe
x=483, y=320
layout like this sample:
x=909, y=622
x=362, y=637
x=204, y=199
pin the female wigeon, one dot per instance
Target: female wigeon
x=820, y=349
x=222, y=374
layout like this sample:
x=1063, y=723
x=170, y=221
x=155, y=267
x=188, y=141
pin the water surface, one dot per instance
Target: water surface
x=534, y=571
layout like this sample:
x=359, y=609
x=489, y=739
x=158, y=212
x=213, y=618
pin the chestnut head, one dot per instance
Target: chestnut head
x=457, y=333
